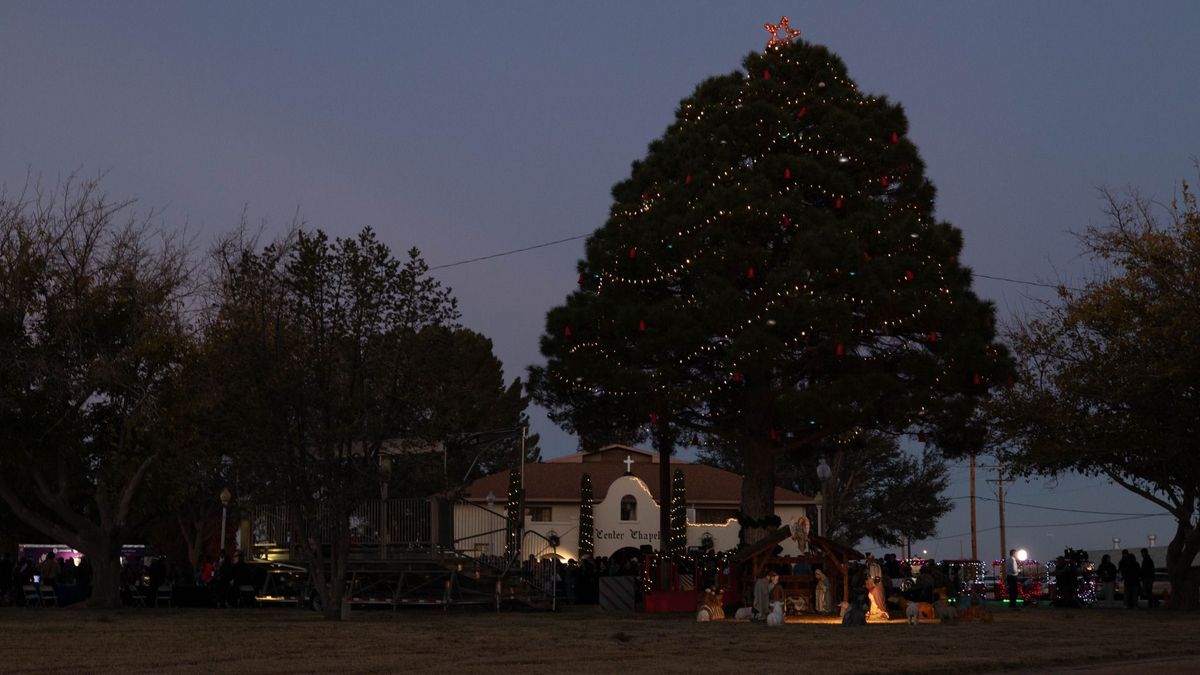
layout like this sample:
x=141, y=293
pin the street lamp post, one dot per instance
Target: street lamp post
x=225, y=497
x=824, y=473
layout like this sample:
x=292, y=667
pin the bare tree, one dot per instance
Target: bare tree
x=92, y=342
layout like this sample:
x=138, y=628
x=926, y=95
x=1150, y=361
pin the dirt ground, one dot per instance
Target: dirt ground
x=581, y=640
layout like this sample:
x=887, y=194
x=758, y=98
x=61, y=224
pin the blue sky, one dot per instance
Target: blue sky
x=465, y=129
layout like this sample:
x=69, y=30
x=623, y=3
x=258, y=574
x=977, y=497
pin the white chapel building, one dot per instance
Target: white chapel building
x=625, y=504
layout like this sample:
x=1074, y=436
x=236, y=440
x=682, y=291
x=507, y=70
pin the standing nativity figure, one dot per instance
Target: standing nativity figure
x=874, y=585
x=824, y=598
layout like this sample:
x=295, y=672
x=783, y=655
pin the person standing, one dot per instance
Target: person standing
x=1147, y=577
x=1107, y=574
x=1012, y=575
x=49, y=570
x=1128, y=566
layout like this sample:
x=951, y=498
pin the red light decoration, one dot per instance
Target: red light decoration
x=883, y=181
x=567, y=331
x=840, y=349
x=641, y=326
x=909, y=276
x=786, y=221
x=653, y=418
x=750, y=273
x=774, y=29
x=895, y=137
x=787, y=173
x=837, y=203
x=933, y=336
x=632, y=252
x=766, y=74
x=802, y=111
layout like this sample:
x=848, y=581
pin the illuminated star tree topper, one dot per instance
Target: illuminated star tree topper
x=775, y=29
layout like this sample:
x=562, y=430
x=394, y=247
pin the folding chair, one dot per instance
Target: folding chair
x=165, y=593
x=245, y=594
x=30, y=593
x=137, y=599
x=48, y=597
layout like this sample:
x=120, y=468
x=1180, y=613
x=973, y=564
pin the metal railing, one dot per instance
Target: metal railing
x=479, y=531
x=403, y=522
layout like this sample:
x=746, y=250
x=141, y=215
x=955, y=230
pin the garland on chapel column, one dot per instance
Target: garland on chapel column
x=515, y=514
x=678, y=542
x=587, y=530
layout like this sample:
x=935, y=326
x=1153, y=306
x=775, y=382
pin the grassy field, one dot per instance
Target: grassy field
x=579, y=640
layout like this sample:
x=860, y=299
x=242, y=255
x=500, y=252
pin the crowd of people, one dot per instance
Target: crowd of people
x=214, y=582
x=1137, y=578
x=68, y=579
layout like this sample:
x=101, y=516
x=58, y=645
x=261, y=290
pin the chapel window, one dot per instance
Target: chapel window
x=628, y=507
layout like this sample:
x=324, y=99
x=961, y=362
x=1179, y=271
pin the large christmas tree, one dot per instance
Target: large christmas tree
x=772, y=280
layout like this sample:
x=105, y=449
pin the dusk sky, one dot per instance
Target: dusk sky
x=467, y=129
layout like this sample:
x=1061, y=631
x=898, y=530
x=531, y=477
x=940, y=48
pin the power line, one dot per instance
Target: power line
x=1085, y=522
x=504, y=253
x=1055, y=508
x=584, y=236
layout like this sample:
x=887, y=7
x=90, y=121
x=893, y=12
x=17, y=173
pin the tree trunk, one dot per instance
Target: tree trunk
x=106, y=577
x=664, y=442
x=1180, y=553
x=335, y=584
x=758, y=491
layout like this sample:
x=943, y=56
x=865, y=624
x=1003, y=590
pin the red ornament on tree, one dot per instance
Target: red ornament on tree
x=895, y=137
x=580, y=280
x=567, y=331
x=976, y=379
x=837, y=203
x=750, y=273
x=866, y=256
x=641, y=326
x=908, y=275
x=883, y=181
x=737, y=377
x=787, y=173
x=774, y=436
x=766, y=74
x=933, y=336
x=840, y=349
x=632, y=252
x=688, y=180
x=653, y=418
x=786, y=221
x=802, y=111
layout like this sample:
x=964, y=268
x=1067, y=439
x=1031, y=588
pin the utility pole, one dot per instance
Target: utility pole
x=1000, y=481
x=974, y=543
